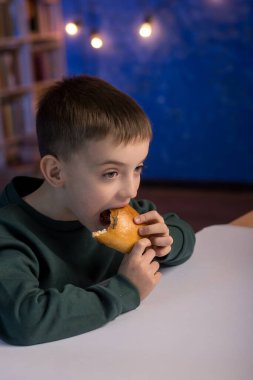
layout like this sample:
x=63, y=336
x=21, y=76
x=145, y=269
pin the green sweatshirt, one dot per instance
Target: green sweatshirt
x=56, y=281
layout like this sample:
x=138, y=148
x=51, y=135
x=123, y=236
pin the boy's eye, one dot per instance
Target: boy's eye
x=139, y=168
x=110, y=175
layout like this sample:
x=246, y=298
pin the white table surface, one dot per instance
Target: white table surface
x=197, y=324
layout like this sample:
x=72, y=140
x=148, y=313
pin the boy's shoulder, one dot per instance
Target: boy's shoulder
x=17, y=188
x=11, y=211
x=11, y=214
x=11, y=222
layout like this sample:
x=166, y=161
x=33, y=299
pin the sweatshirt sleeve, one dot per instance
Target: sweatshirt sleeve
x=181, y=232
x=31, y=315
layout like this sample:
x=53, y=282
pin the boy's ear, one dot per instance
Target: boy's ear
x=51, y=169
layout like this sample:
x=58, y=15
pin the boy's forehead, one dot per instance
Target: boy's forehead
x=108, y=151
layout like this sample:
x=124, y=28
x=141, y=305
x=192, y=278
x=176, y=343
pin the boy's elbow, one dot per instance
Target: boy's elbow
x=19, y=335
x=182, y=247
x=21, y=328
x=18, y=340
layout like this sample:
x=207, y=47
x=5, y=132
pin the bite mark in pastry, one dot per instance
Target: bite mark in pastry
x=122, y=232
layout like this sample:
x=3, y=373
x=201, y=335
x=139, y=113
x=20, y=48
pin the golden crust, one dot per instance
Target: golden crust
x=122, y=233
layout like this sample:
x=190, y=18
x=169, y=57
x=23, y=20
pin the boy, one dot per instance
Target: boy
x=56, y=281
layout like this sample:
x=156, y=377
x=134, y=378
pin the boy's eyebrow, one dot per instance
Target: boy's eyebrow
x=111, y=162
x=115, y=162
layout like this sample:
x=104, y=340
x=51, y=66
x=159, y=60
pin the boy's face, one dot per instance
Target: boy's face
x=101, y=176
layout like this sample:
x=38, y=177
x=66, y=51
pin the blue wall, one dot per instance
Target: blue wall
x=193, y=77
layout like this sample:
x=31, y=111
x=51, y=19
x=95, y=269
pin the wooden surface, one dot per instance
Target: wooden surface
x=245, y=220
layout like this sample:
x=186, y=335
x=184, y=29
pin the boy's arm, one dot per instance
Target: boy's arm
x=31, y=315
x=183, y=241
x=181, y=232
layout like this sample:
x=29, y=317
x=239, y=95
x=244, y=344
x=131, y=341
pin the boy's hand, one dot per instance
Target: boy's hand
x=138, y=266
x=156, y=231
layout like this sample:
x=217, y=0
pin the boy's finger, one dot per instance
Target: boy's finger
x=149, y=255
x=154, y=229
x=148, y=217
x=162, y=251
x=157, y=276
x=163, y=241
x=155, y=266
x=140, y=246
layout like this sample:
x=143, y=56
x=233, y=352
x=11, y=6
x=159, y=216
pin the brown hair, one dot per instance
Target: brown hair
x=83, y=108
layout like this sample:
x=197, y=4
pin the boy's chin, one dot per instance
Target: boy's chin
x=92, y=226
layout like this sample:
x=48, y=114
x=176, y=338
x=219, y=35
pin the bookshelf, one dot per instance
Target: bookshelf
x=32, y=57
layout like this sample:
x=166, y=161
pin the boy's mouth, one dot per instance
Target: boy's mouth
x=119, y=232
x=105, y=218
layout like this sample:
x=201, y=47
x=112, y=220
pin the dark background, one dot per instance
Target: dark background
x=193, y=77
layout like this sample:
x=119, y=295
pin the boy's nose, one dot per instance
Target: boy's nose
x=129, y=189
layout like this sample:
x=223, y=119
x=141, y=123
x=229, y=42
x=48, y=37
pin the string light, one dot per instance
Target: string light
x=72, y=28
x=145, y=30
x=96, y=41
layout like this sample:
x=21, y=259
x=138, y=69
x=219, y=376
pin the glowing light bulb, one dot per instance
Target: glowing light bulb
x=71, y=28
x=96, y=42
x=145, y=30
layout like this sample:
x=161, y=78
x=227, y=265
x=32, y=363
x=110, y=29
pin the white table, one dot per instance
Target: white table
x=196, y=325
